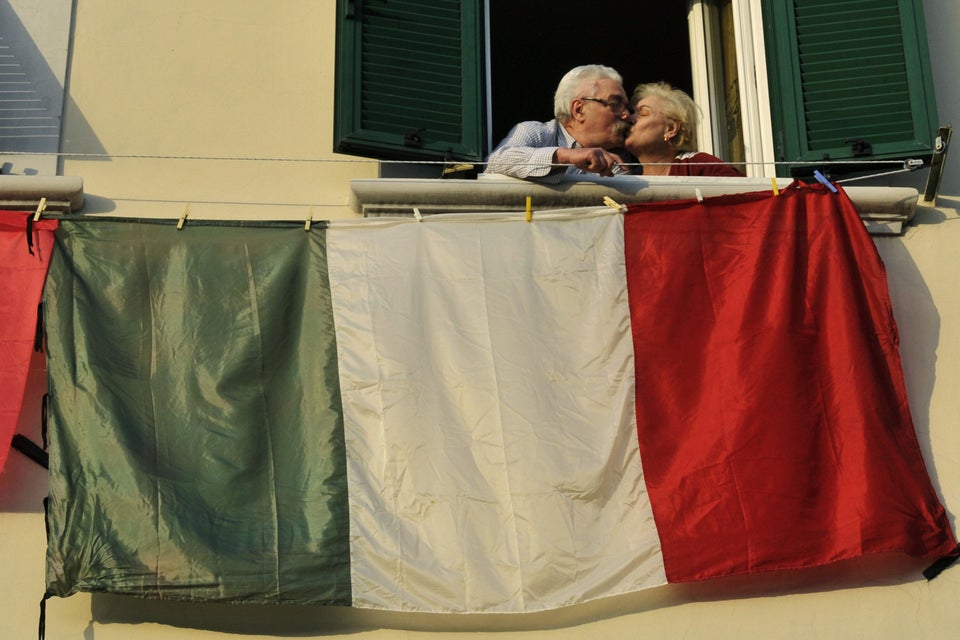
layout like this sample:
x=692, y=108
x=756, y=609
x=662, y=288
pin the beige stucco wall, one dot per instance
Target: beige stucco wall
x=211, y=79
x=214, y=79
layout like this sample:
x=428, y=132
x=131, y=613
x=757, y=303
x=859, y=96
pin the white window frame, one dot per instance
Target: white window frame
x=752, y=71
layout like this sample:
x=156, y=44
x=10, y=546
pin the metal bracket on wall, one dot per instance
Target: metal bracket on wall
x=936, y=164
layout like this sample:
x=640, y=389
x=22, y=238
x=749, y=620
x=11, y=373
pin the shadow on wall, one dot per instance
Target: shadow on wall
x=33, y=96
x=305, y=621
x=79, y=137
x=918, y=325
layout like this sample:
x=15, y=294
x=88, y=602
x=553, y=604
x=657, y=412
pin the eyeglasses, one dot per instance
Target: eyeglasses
x=616, y=106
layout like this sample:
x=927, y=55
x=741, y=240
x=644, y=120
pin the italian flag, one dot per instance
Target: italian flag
x=476, y=414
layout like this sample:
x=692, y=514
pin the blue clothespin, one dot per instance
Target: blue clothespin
x=822, y=180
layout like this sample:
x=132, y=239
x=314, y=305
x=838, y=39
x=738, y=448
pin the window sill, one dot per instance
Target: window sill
x=23, y=193
x=884, y=210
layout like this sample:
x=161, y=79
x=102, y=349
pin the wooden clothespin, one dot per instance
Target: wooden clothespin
x=40, y=208
x=36, y=217
x=457, y=168
x=613, y=204
x=306, y=225
x=183, y=217
x=417, y=214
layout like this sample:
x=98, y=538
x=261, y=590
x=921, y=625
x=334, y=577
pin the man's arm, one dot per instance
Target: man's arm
x=527, y=152
x=592, y=160
x=538, y=150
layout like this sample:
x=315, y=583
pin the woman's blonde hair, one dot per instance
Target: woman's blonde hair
x=676, y=106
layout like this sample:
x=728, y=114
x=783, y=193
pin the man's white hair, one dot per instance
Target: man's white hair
x=572, y=83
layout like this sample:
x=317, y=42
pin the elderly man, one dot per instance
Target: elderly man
x=592, y=115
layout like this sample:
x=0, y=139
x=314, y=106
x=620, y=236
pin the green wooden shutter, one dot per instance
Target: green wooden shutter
x=409, y=79
x=842, y=72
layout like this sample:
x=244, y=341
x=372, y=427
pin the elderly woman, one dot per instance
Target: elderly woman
x=664, y=136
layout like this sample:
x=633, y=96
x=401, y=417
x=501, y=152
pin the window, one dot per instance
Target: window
x=716, y=79
x=777, y=80
x=530, y=51
x=402, y=95
x=33, y=60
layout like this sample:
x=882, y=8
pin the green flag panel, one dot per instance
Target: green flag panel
x=211, y=356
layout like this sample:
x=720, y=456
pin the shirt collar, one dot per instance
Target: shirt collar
x=571, y=141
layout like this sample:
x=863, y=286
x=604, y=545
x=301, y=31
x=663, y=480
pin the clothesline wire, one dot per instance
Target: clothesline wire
x=907, y=166
x=155, y=156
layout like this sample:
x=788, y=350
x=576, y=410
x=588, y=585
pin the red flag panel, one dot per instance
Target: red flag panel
x=772, y=413
x=23, y=267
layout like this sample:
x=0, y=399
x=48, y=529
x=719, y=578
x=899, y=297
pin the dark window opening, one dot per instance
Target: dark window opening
x=531, y=50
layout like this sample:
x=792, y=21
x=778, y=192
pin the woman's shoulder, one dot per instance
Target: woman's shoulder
x=697, y=156
x=701, y=163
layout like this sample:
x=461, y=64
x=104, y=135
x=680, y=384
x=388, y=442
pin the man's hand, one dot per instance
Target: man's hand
x=592, y=159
